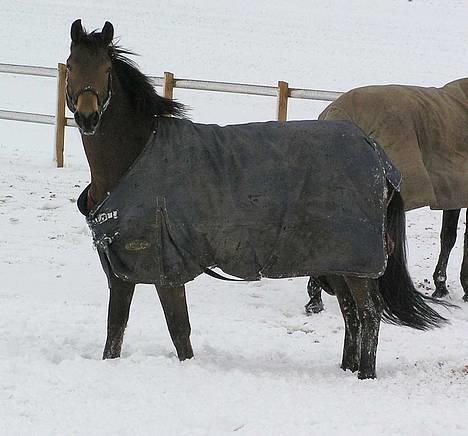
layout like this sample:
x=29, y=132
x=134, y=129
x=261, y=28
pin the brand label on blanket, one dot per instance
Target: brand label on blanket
x=105, y=216
x=137, y=245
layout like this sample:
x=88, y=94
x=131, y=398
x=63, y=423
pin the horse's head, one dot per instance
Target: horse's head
x=89, y=75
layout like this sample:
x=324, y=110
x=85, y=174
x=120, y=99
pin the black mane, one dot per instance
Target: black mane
x=136, y=85
x=139, y=87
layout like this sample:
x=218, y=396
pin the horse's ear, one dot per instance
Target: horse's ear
x=76, y=31
x=107, y=33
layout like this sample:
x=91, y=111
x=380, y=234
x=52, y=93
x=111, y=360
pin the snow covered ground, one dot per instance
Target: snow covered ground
x=262, y=367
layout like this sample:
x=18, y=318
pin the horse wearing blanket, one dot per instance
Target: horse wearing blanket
x=170, y=199
x=424, y=131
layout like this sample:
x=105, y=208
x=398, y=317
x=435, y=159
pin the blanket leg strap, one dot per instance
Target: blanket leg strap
x=215, y=275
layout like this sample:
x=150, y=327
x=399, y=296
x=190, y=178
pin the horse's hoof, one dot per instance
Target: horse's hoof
x=185, y=357
x=313, y=307
x=185, y=354
x=440, y=292
x=366, y=376
x=353, y=367
x=184, y=349
x=107, y=356
x=110, y=353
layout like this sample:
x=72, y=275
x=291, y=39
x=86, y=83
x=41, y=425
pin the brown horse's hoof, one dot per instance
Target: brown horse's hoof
x=366, y=375
x=185, y=357
x=112, y=348
x=109, y=355
x=184, y=349
x=350, y=366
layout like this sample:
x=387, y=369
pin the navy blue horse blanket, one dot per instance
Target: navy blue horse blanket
x=256, y=200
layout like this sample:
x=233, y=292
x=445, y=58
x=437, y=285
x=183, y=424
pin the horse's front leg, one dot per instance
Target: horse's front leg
x=174, y=305
x=448, y=236
x=366, y=295
x=121, y=294
x=464, y=269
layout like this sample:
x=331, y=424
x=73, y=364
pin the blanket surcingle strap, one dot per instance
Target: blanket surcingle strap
x=256, y=200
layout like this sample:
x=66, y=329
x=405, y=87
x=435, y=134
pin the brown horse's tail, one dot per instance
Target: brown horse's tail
x=404, y=305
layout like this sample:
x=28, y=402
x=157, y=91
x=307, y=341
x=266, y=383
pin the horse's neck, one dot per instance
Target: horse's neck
x=116, y=144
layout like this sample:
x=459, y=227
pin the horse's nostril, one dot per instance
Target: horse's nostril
x=95, y=118
x=77, y=117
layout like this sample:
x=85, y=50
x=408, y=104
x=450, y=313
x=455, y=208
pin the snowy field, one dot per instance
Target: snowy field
x=262, y=367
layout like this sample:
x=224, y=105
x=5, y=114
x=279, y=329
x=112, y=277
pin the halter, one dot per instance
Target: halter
x=72, y=100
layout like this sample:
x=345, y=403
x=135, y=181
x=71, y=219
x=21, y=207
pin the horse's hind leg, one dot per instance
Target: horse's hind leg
x=448, y=236
x=315, y=304
x=315, y=286
x=352, y=339
x=464, y=269
x=121, y=294
x=174, y=305
x=367, y=298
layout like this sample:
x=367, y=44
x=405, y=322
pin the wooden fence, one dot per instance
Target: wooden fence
x=282, y=92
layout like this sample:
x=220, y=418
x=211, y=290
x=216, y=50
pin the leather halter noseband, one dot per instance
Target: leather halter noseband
x=72, y=100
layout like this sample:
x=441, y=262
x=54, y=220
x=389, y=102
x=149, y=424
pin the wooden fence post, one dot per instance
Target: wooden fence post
x=283, y=91
x=60, y=115
x=168, y=85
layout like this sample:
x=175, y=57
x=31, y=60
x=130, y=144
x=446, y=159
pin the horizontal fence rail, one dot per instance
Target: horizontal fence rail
x=261, y=90
x=168, y=82
x=28, y=70
x=27, y=117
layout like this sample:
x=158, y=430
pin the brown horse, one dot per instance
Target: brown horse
x=121, y=117
x=424, y=131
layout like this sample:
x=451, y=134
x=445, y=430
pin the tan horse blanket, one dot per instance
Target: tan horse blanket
x=424, y=131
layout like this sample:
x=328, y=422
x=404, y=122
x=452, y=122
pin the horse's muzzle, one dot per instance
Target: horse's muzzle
x=87, y=123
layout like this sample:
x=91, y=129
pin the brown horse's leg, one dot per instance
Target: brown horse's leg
x=367, y=298
x=352, y=339
x=121, y=294
x=174, y=305
x=464, y=269
x=448, y=236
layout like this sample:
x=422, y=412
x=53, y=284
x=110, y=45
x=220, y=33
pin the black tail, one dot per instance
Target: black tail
x=404, y=305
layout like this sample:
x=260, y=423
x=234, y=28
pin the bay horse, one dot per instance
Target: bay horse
x=424, y=131
x=121, y=117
